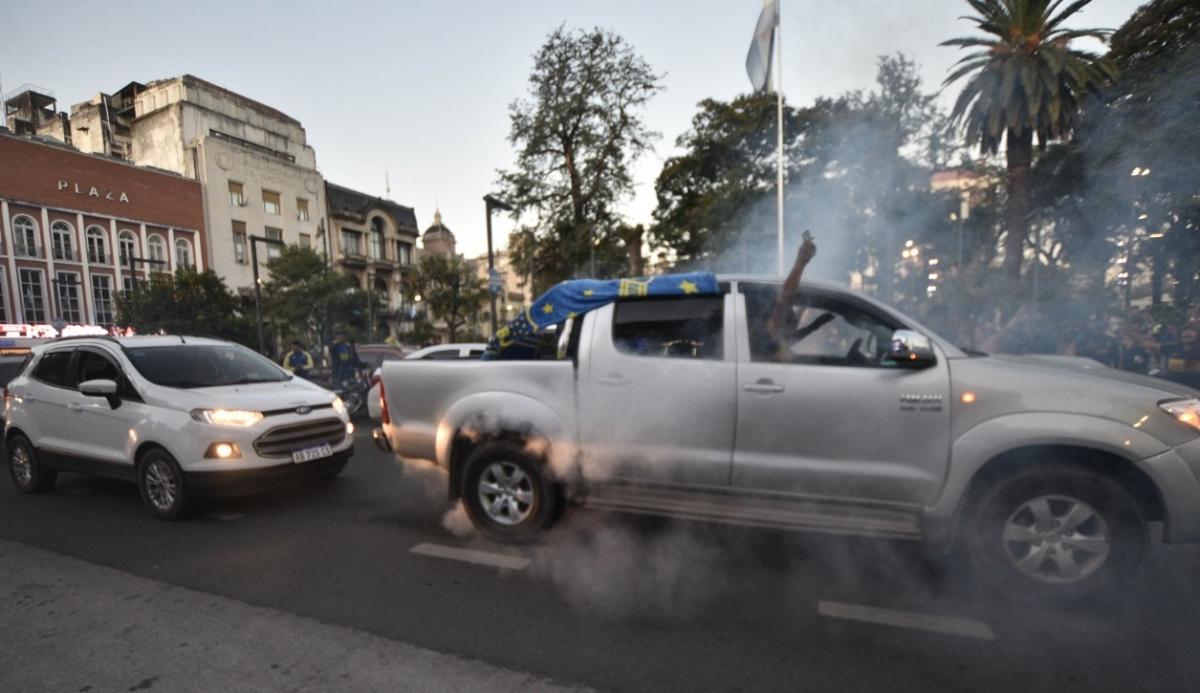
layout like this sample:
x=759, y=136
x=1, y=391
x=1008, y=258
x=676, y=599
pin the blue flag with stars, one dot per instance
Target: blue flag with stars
x=572, y=298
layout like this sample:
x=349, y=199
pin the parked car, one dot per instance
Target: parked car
x=373, y=355
x=440, y=352
x=180, y=416
x=1047, y=472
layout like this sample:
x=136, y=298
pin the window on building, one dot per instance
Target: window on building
x=673, y=328
x=274, y=250
x=239, y=242
x=62, y=239
x=377, y=239
x=25, y=236
x=351, y=243
x=301, y=209
x=67, y=285
x=305, y=240
x=404, y=252
x=97, y=245
x=271, y=203
x=102, y=298
x=33, y=295
x=127, y=246
x=156, y=249
x=183, y=254
x=237, y=195
x=127, y=283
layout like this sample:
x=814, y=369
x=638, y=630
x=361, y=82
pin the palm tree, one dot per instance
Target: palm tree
x=1026, y=80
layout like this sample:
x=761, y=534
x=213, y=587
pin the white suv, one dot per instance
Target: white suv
x=180, y=416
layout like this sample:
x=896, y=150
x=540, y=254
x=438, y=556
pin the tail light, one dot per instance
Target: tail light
x=383, y=409
x=375, y=380
x=7, y=397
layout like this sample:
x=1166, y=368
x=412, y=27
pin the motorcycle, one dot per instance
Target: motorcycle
x=353, y=392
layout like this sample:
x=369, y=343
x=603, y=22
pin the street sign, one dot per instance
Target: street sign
x=495, y=282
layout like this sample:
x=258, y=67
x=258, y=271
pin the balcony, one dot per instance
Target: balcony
x=62, y=254
x=33, y=251
x=352, y=258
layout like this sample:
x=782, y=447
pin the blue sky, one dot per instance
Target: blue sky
x=421, y=88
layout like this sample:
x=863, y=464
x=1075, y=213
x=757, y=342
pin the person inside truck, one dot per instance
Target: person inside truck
x=774, y=327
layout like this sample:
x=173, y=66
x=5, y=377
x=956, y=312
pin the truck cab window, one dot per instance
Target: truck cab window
x=688, y=328
x=822, y=330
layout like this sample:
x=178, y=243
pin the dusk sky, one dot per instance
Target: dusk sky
x=421, y=88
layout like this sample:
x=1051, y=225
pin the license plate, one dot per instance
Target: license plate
x=310, y=454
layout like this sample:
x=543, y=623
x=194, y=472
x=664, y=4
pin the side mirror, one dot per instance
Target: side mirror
x=101, y=388
x=911, y=350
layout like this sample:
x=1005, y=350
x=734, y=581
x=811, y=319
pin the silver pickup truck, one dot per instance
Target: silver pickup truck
x=1046, y=470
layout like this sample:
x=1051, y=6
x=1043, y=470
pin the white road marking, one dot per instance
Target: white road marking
x=224, y=517
x=946, y=625
x=496, y=560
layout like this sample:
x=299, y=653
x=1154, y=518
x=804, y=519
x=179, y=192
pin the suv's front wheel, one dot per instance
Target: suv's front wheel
x=164, y=490
x=1056, y=530
x=29, y=475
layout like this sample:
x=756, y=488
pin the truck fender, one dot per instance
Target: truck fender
x=994, y=437
x=486, y=414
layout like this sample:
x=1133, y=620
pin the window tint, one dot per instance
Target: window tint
x=820, y=329
x=10, y=366
x=93, y=366
x=201, y=365
x=675, y=328
x=53, y=369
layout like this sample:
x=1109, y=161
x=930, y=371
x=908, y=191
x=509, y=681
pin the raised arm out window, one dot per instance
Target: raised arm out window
x=823, y=329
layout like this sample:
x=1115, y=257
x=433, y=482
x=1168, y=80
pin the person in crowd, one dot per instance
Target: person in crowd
x=297, y=360
x=343, y=358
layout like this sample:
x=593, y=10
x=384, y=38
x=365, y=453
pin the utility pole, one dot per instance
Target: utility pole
x=491, y=202
x=254, y=241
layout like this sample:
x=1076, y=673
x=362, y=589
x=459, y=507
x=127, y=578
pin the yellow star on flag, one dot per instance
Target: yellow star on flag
x=548, y=308
x=688, y=287
x=588, y=292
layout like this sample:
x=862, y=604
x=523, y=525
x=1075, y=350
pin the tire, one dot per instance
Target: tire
x=28, y=474
x=507, y=493
x=1055, y=532
x=162, y=485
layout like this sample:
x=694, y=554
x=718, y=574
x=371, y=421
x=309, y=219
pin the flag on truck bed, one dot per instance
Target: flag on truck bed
x=520, y=338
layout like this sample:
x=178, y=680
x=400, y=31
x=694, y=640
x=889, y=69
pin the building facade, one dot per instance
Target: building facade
x=78, y=228
x=374, y=240
x=257, y=170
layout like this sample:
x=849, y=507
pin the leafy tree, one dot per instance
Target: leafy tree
x=576, y=136
x=450, y=290
x=305, y=298
x=1025, y=81
x=186, y=303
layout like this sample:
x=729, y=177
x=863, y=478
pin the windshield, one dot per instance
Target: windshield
x=203, y=365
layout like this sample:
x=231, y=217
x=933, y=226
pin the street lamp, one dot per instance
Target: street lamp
x=254, y=241
x=491, y=202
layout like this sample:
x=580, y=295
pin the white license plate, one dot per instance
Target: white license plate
x=310, y=454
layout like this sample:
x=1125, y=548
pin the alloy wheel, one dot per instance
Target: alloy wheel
x=506, y=493
x=22, y=465
x=1057, y=539
x=161, y=485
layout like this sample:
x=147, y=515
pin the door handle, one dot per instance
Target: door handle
x=613, y=379
x=763, y=386
x=75, y=407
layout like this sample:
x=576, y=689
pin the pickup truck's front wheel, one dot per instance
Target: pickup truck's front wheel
x=507, y=493
x=1056, y=531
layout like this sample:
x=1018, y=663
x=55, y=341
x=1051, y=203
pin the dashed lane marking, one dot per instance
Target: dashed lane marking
x=225, y=517
x=495, y=560
x=946, y=625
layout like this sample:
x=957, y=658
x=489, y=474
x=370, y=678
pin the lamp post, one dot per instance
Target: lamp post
x=254, y=241
x=491, y=202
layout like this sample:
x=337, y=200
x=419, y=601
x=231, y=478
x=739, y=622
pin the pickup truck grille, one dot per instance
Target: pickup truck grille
x=281, y=441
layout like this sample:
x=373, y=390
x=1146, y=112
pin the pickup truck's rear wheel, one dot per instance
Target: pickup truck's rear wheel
x=507, y=493
x=1056, y=531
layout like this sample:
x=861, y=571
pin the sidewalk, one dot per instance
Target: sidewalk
x=69, y=625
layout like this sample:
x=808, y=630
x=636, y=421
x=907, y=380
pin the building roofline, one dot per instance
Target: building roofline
x=189, y=79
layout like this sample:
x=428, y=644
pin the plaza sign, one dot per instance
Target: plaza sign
x=93, y=191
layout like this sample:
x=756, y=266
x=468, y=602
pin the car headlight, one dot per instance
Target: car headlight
x=227, y=417
x=1186, y=411
x=338, y=405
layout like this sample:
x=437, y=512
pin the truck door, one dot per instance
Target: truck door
x=830, y=416
x=656, y=391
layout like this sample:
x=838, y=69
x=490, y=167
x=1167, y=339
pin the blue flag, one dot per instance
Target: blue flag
x=571, y=299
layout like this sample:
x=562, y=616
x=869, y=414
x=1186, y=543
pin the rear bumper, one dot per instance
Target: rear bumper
x=240, y=482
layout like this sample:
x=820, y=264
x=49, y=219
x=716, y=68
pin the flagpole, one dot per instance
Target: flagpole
x=779, y=126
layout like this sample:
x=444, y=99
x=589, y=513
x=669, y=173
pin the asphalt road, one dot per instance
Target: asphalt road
x=618, y=604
